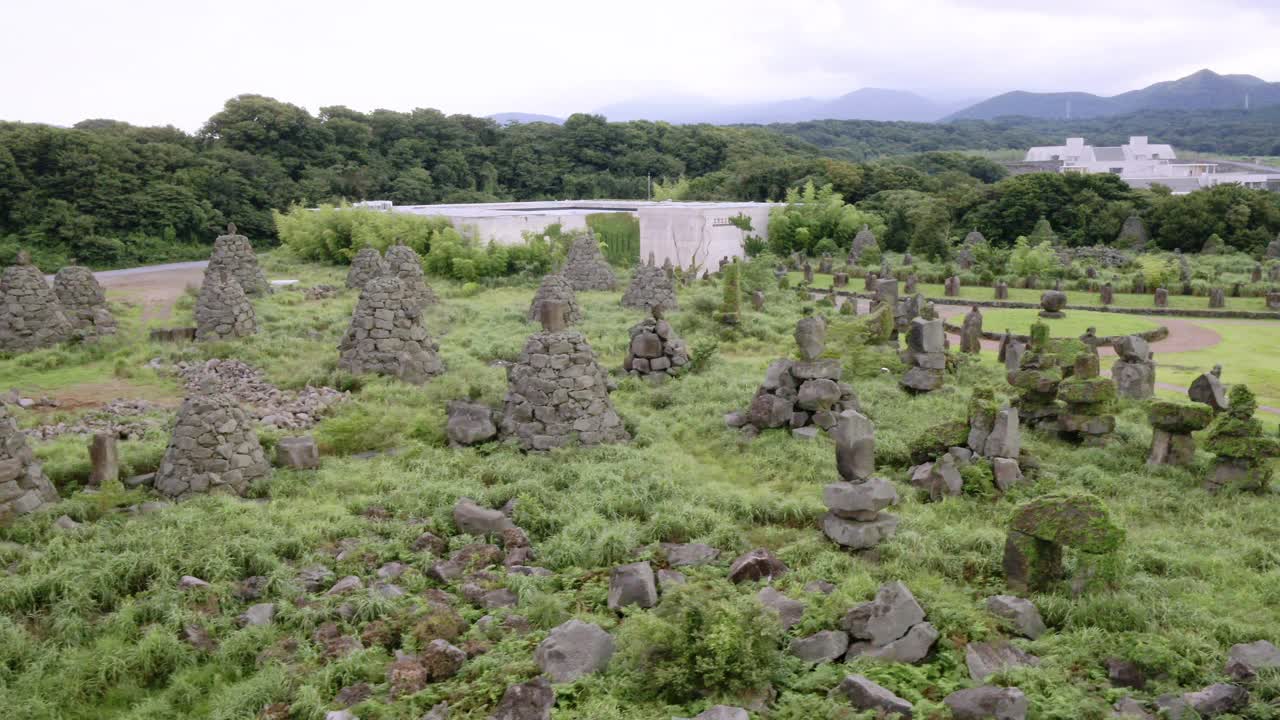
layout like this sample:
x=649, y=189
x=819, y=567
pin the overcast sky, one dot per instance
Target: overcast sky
x=159, y=62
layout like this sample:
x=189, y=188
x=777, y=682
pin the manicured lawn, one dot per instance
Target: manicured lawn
x=1249, y=353
x=1073, y=325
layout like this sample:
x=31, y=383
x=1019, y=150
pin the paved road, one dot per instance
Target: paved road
x=129, y=272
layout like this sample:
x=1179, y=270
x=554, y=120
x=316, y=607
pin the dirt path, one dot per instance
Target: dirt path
x=1184, y=335
x=155, y=287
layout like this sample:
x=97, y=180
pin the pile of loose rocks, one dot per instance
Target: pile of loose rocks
x=84, y=303
x=655, y=349
x=854, y=516
x=365, y=266
x=557, y=392
x=290, y=409
x=556, y=288
x=805, y=395
x=994, y=436
x=1134, y=370
x=650, y=287
x=30, y=315
x=1172, y=423
x=223, y=311
x=214, y=448
x=23, y=484
x=585, y=267
x=925, y=356
x=388, y=335
x=402, y=262
x=124, y=419
x=233, y=255
x=1087, y=396
x=1243, y=449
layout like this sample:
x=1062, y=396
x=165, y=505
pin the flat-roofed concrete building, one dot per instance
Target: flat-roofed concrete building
x=1142, y=164
x=684, y=232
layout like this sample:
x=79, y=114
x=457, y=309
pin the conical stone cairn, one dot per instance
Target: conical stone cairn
x=650, y=287
x=84, y=302
x=854, y=518
x=388, y=335
x=365, y=266
x=23, y=485
x=223, y=311
x=214, y=449
x=557, y=392
x=405, y=264
x=556, y=289
x=30, y=315
x=233, y=255
x=585, y=267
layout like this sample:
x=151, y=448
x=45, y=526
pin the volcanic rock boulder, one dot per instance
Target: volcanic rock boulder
x=800, y=393
x=30, y=315
x=854, y=504
x=1088, y=397
x=585, y=267
x=1172, y=423
x=558, y=394
x=223, y=311
x=365, y=266
x=1243, y=448
x=655, y=348
x=1134, y=371
x=233, y=255
x=84, y=303
x=1208, y=389
x=1042, y=527
x=214, y=448
x=891, y=627
x=404, y=263
x=387, y=335
x=556, y=288
x=1051, y=304
x=23, y=484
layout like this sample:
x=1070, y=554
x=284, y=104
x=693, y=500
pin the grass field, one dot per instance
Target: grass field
x=92, y=619
x=1073, y=325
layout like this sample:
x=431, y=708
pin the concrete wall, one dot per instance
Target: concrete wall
x=510, y=229
x=695, y=233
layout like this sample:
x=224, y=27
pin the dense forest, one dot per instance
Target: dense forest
x=110, y=194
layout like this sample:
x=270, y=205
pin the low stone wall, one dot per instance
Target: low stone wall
x=1154, y=335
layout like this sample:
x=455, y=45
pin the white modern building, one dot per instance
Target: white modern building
x=684, y=232
x=1142, y=164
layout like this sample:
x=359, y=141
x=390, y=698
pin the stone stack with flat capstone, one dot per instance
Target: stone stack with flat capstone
x=556, y=288
x=24, y=487
x=1088, y=396
x=1051, y=304
x=925, y=356
x=223, y=311
x=388, y=336
x=1042, y=527
x=655, y=349
x=404, y=263
x=650, y=287
x=1002, y=290
x=1172, y=423
x=365, y=266
x=30, y=315
x=214, y=448
x=1037, y=378
x=1134, y=370
x=557, y=393
x=233, y=254
x=1243, y=448
x=854, y=516
x=84, y=302
x=805, y=395
x=585, y=267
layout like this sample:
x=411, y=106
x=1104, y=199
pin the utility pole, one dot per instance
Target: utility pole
x=649, y=178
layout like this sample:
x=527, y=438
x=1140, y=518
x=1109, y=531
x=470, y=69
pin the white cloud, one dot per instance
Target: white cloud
x=153, y=62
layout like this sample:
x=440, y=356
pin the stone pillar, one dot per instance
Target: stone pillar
x=1108, y=294
x=1217, y=298
x=104, y=459
x=869, y=282
x=909, y=287
x=840, y=280
x=1002, y=290
x=1162, y=297
x=855, y=503
x=971, y=332
x=1273, y=300
x=1134, y=372
x=951, y=288
x=808, y=273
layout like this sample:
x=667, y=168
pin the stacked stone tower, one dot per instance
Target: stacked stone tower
x=926, y=356
x=556, y=289
x=1134, y=371
x=655, y=348
x=84, y=303
x=1088, y=396
x=233, y=255
x=557, y=393
x=650, y=287
x=388, y=336
x=30, y=315
x=223, y=311
x=214, y=448
x=1172, y=423
x=585, y=267
x=404, y=263
x=365, y=266
x=861, y=242
x=23, y=485
x=854, y=518
x=1243, y=447
x=1037, y=379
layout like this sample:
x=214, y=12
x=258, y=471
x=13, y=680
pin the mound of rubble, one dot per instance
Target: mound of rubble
x=223, y=311
x=289, y=409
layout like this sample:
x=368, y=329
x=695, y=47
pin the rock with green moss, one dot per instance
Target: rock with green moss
x=1172, y=423
x=1087, y=398
x=1242, y=447
x=1042, y=527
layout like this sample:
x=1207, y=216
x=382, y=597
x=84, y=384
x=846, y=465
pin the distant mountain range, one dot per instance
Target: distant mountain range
x=1204, y=90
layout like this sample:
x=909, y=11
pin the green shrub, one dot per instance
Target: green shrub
x=700, y=638
x=334, y=234
x=619, y=237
